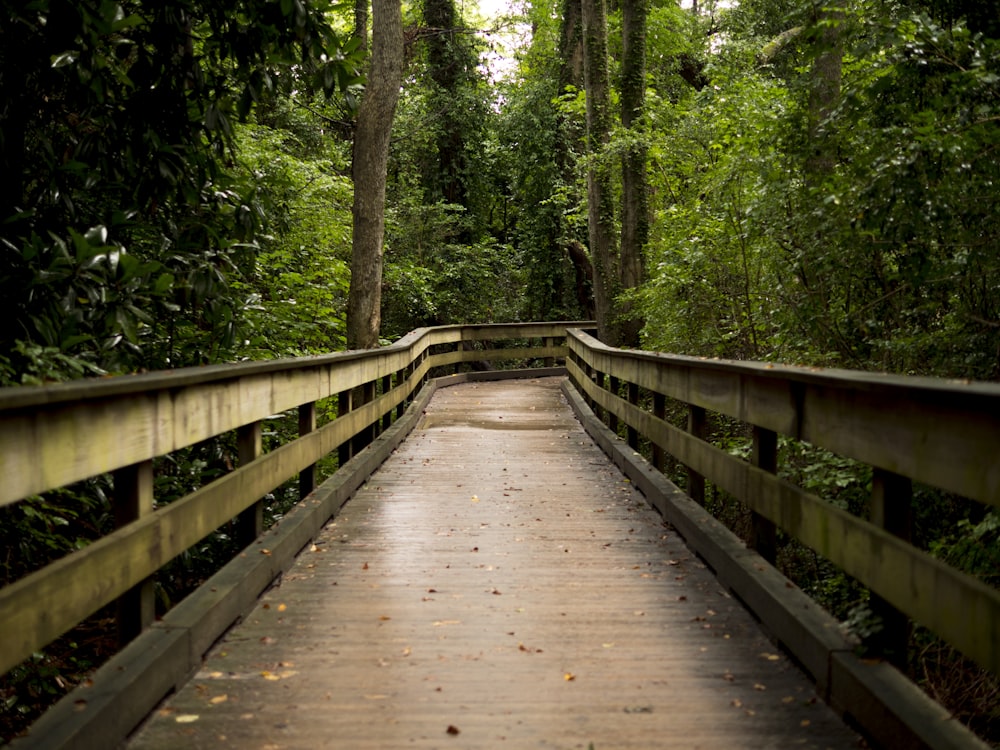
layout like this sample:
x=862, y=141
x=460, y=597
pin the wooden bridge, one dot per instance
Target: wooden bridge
x=512, y=567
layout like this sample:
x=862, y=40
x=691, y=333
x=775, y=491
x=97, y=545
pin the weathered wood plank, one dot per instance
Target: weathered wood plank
x=961, y=609
x=53, y=436
x=940, y=432
x=500, y=577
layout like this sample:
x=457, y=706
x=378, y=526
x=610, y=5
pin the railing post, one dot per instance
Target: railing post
x=133, y=487
x=344, y=405
x=660, y=412
x=401, y=377
x=633, y=433
x=364, y=438
x=891, y=509
x=765, y=456
x=307, y=423
x=250, y=523
x=550, y=343
x=614, y=387
x=387, y=417
x=696, y=427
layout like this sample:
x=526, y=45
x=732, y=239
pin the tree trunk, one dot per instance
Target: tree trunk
x=361, y=22
x=635, y=201
x=600, y=197
x=824, y=89
x=371, y=155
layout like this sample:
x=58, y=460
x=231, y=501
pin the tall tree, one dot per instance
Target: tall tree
x=600, y=195
x=635, y=201
x=371, y=155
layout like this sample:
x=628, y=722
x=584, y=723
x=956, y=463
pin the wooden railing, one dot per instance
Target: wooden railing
x=53, y=436
x=941, y=433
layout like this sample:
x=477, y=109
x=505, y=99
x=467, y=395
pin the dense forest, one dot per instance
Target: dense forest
x=804, y=181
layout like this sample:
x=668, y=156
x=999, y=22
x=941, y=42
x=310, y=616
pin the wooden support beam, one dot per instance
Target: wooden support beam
x=763, y=537
x=344, y=405
x=696, y=427
x=307, y=423
x=614, y=385
x=633, y=433
x=133, y=499
x=660, y=412
x=387, y=417
x=250, y=523
x=891, y=509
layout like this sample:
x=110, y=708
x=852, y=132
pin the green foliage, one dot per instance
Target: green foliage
x=118, y=209
x=297, y=286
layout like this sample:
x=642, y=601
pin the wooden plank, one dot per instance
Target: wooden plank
x=497, y=576
x=893, y=711
x=56, y=435
x=49, y=602
x=961, y=609
x=940, y=432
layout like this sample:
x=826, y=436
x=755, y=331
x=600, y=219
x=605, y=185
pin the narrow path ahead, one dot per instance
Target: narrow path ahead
x=497, y=583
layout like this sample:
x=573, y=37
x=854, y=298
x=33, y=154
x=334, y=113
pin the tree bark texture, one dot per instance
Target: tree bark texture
x=635, y=199
x=600, y=197
x=371, y=155
x=824, y=88
x=361, y=22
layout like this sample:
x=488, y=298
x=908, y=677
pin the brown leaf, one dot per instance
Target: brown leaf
x=452, y=729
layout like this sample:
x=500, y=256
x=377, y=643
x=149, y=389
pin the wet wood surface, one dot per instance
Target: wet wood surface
x=497, y=583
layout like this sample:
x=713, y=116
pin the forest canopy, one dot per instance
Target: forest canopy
x=794, y=181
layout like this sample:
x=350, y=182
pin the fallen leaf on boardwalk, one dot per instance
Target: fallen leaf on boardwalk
x=365, y=566
x=219, y=699
x=770, y=657
x=569, y=677
x=376, y=697
x=263, y=552
x=407, y=651
x=788, y=699
x=439, y=623
x=759, y=687
x=186, y=718
x=737, y=703
x=608, y=645
x=804, y=723
x=383, y=618
x=475, y=499
x=452, y=729
x=728, y=677
x=282, y=607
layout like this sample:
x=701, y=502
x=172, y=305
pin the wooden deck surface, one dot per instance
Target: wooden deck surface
x=496, y=584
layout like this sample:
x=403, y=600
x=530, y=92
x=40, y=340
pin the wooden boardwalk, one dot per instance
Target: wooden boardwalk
x=497, y=583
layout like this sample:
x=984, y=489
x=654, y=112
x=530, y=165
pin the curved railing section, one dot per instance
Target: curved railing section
x=943, y=433
x=53, y=436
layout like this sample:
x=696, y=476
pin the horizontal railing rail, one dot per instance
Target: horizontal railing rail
x=54, y=436
x=943, y=433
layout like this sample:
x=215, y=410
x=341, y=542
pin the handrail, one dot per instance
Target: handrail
x=52, y=436
x=939, y=432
